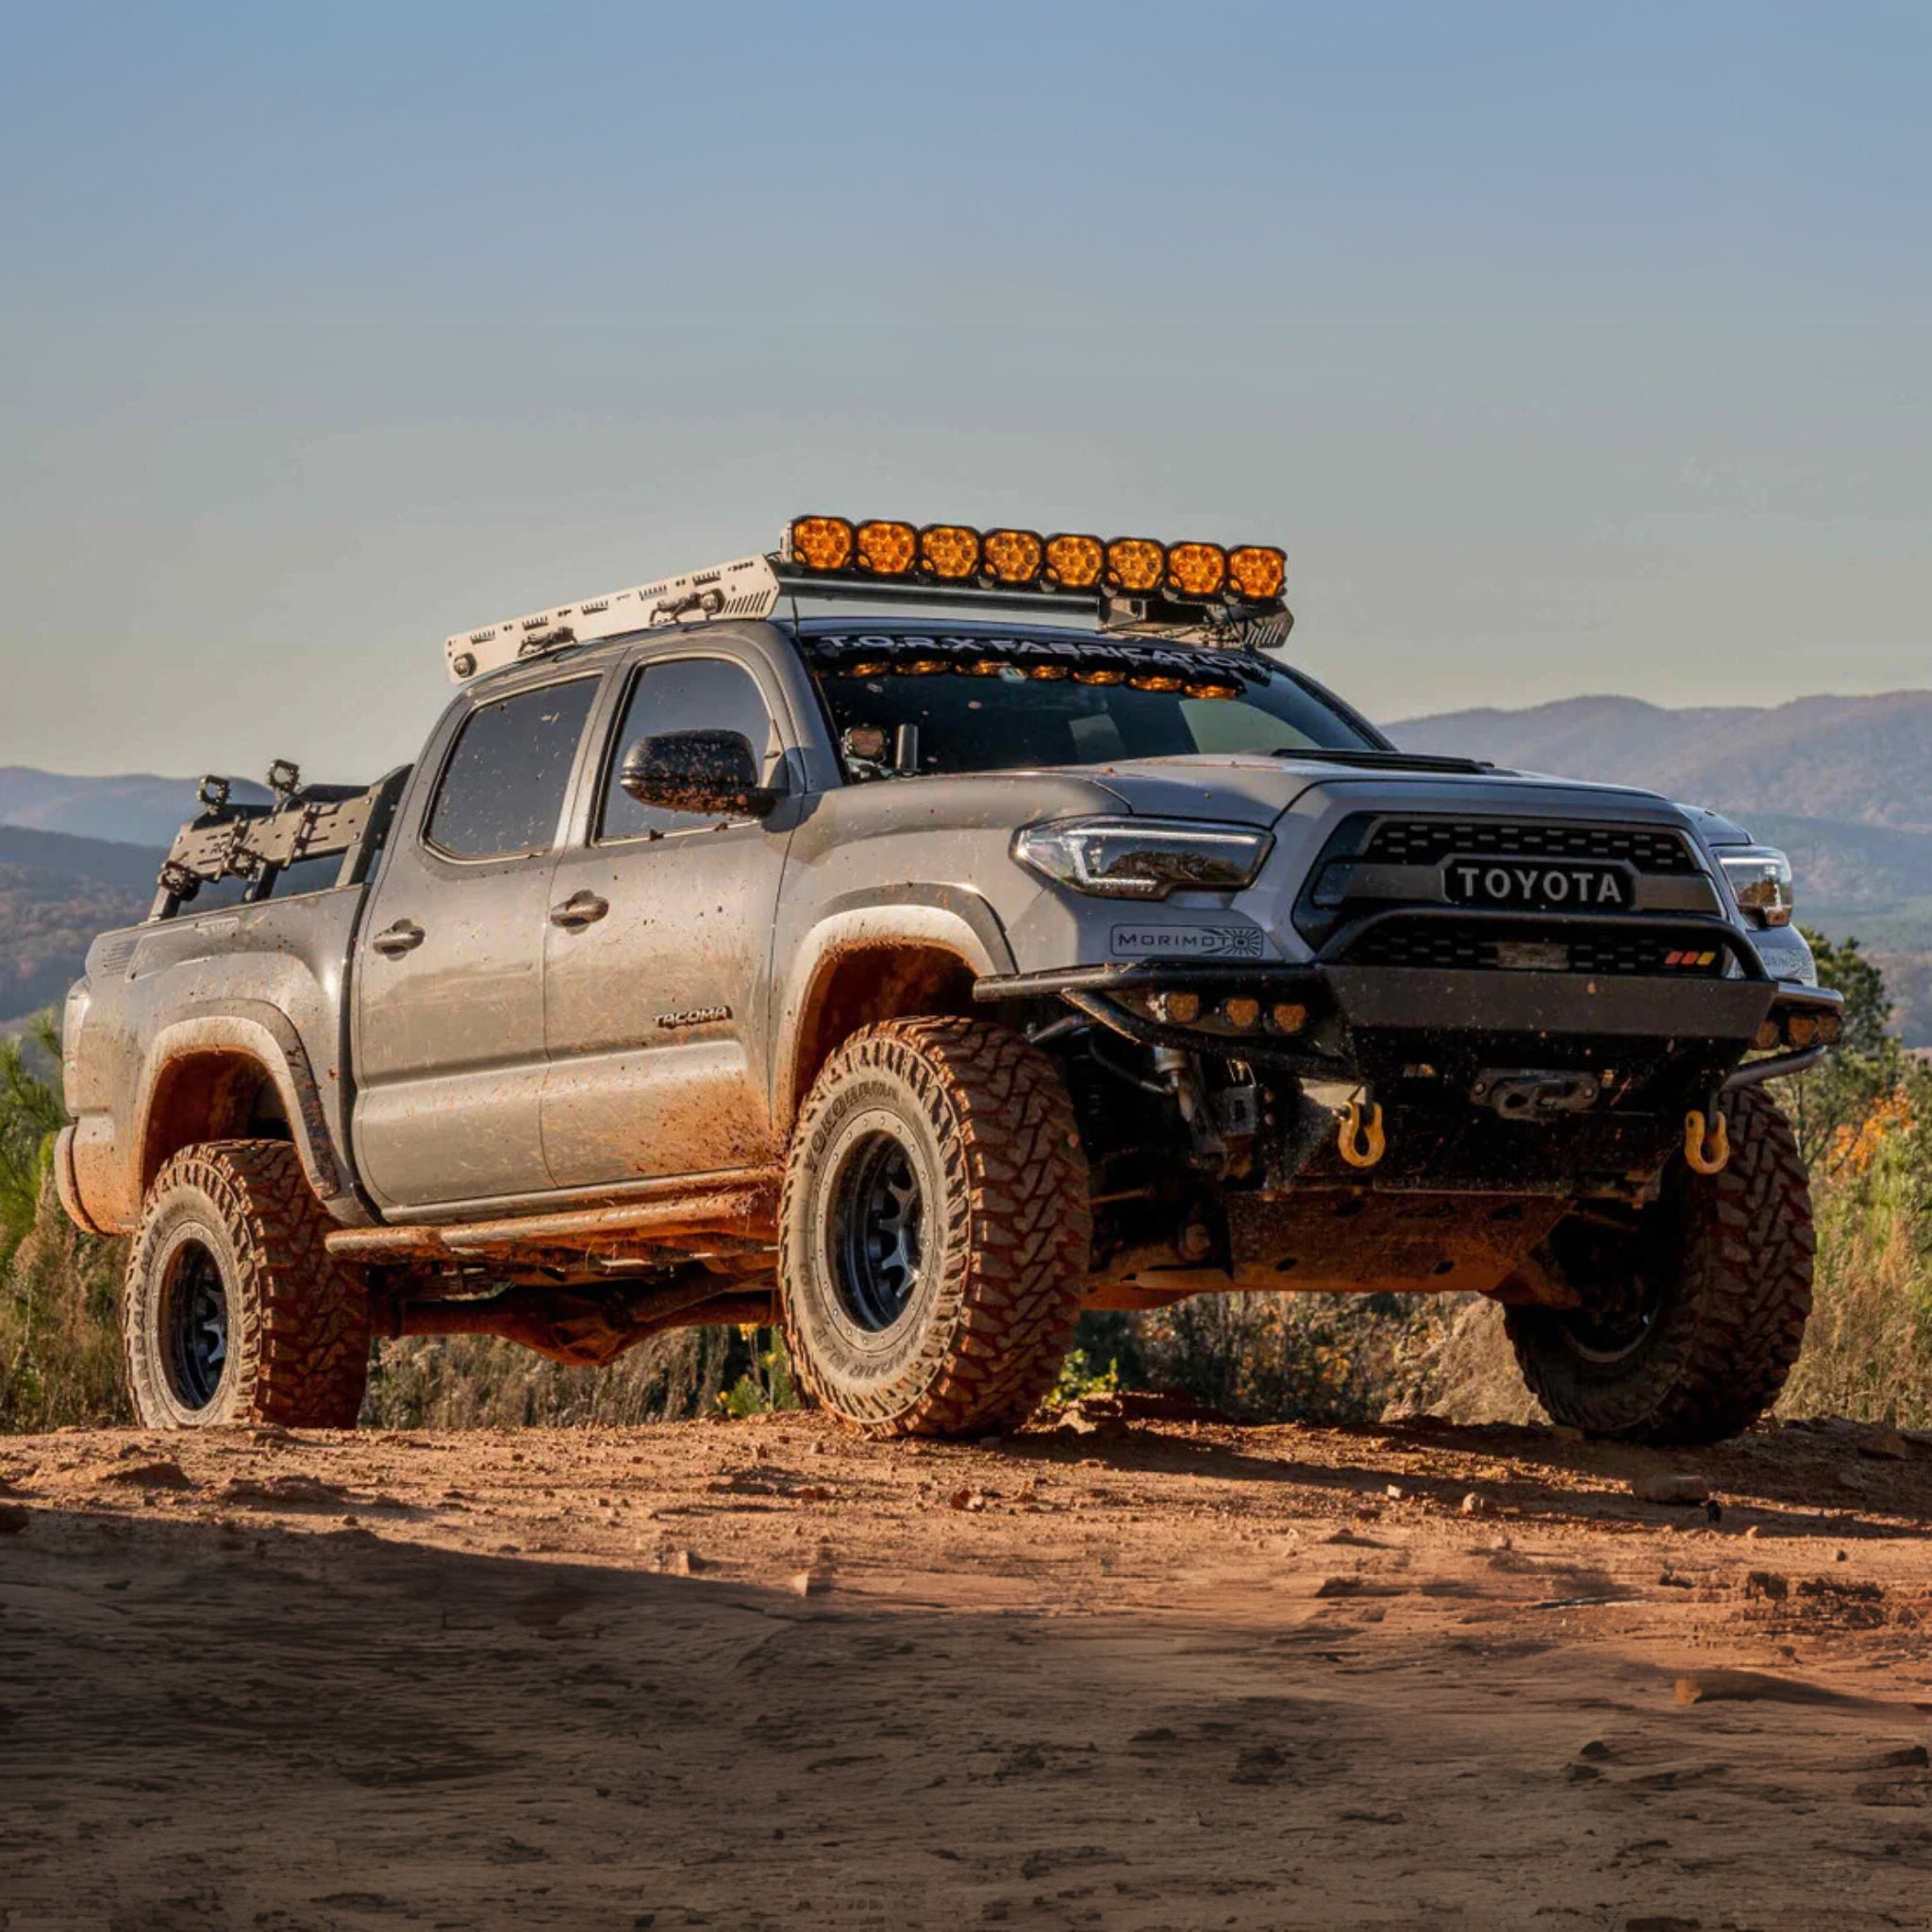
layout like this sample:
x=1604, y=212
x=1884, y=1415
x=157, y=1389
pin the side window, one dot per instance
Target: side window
x=502, y=792
x=687, y=694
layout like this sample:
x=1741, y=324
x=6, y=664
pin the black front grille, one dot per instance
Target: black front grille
x=1427, y=842
x=1485, y=947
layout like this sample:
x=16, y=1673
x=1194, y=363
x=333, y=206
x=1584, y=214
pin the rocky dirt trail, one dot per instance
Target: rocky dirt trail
x=1130, y=1672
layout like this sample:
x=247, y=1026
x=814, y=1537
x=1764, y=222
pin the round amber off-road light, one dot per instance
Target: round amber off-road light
x=1196, y=569
x=1075, y=564
x=1258, y=570
x=1241, y=1012
x=1287, y=1017
x=949, y=552
x=822, y=542
x=887, y=550
x=1013, y=556
x=1135, y=563
x=1178, y=1008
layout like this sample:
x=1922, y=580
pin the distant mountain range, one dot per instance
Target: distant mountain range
x=56, y=893
x=1863, y=761
x=1844, y=785
x=139, y=810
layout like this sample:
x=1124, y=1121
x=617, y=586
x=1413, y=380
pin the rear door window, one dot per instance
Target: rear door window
x=502, y=792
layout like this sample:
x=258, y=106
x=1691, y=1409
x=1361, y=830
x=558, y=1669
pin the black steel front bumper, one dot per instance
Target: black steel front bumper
x=1731, y=1015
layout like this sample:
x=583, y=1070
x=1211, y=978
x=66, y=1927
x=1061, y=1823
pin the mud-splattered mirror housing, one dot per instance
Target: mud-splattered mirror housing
x=708, y=772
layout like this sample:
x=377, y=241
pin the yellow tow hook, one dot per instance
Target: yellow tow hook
x=1360, y=1138
x=1707, y=1144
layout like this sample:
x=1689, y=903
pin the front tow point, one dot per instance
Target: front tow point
x=1359, y=1137
x=1706, y=1144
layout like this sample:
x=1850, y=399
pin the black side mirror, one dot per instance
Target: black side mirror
x=714, y=773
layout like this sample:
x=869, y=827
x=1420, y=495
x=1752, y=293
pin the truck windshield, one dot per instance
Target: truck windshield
x=991, y=704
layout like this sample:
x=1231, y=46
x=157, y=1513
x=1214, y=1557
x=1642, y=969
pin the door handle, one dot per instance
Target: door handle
x=402, y=937
x=579, y=910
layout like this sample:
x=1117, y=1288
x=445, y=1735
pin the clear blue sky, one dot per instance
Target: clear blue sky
x=1567, y=348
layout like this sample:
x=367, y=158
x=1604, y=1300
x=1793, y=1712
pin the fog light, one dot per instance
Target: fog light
x=1831, y=1027
x=1241, y=1012
x=1766, y=1037
x=1801, y=1029
x=886, y=549
x=822, y=542
x=1259, y=570
x=1013, y=556
x=1288, y=1018
x=949, y=551
x=1135, y=564
x=1196, y=569
x=1075, y=564
x=1178, y=1008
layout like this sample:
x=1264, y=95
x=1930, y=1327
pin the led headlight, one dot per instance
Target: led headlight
x=1760, y=877
x=1142, y=858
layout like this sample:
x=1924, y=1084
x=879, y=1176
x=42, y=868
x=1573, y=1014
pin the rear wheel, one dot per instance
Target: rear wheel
x=235, y=1310
x=934, y=1232
x=1694, y=1313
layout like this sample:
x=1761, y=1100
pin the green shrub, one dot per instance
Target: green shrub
x=60, y=1336
x=31, y=1113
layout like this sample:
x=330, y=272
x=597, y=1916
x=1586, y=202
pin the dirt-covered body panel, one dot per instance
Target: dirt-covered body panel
x=169, y=1016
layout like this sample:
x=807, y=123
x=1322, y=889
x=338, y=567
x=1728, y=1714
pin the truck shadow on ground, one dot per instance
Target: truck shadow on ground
x=223, y=1725
x=1790, y=1482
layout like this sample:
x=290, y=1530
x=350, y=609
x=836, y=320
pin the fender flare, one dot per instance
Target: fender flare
x=257, y=1031
x=934, y=918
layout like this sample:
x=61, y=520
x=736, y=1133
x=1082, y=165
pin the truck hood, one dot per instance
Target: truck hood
x=1243, y=789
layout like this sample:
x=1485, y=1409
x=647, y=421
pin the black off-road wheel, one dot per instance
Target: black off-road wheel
x=1694, y=1313
x=934, y=1232
x=235, y=1310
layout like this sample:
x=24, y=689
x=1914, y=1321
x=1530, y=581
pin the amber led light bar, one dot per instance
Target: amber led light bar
x=955, y=553
x=1133, y=585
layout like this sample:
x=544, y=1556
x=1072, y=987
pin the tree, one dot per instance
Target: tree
x=1870, y=1066
x=31, y=1113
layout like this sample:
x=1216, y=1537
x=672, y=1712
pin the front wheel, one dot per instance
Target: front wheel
x=934, y=1232
x=235, y=1310
x=1692, y=1314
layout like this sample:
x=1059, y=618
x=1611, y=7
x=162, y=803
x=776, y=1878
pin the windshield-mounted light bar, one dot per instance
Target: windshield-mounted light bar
x=1132, y=586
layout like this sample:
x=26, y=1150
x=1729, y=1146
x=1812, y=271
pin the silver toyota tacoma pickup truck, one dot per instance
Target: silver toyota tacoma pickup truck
x=914, y=937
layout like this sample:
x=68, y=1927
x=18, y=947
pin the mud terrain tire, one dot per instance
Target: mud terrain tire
x=1728, y=1258
x=934, y=1231
x=235, y=1312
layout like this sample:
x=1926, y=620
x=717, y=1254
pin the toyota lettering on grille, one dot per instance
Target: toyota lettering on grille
x=1522, y=885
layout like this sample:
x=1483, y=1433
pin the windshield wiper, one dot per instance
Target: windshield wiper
x=1396, y=760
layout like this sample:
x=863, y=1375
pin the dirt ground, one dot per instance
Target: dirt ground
x=1132, y=1673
